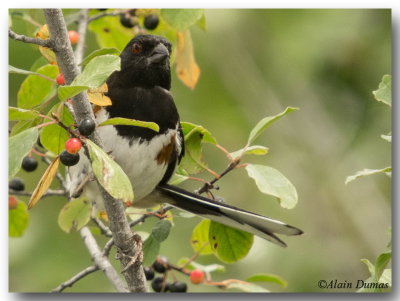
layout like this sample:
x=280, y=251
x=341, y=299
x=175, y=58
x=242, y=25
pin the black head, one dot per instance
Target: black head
x=145, y=62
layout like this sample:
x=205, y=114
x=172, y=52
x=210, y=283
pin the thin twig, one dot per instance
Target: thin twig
x=103, y=228
x=19, y=37
x=89, y=270
x=114, y=13
x=49, y=192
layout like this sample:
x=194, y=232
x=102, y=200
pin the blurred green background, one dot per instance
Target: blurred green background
x=253, y=64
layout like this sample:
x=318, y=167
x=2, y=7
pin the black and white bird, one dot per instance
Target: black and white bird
x=140, y=90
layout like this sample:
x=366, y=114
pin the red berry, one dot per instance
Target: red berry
x=60, y=79
x=196, y=276
x=73, y=37
x=69, y=100
x=73, y=145
x=12, y=202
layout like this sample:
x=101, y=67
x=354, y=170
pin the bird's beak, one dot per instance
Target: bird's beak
x=159, y=54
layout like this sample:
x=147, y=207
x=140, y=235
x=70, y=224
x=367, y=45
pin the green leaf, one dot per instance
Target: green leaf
x=181, y=19
x=381, y=263
x=191, y=265
x=34, y=90
x=368, y=172
x=177, y=179
x=126, y=121
x=65, y=92
x=272, y=182
x=18, y=220
x=74, y=215
x=18, y=147
x=97, y=71
x=384, y=92
x=109, y=174
x=229, y=244
x=194, y=136
x=199, y=240
x=161, y=230
x=246, y=287
x=12, y=69
x=110, y=33
x=151, y=249
x=267, y=278
x=53, y=137
x=21, y=114
x=202, y=23
x=370, y=266
x=257, y=150
x=98, y=52
x=266, y=122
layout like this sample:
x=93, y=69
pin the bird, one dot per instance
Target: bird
x=141, y=90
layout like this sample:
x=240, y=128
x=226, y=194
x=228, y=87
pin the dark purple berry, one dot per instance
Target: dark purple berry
x=87, y=126
x=16, y=184
x=151, y=22
x=177, y=287
x=29, y=164
x=149, y=273
x=126, y=21
x=69, y=159
x=158, y=284
x=132, y=12
x=161, y=264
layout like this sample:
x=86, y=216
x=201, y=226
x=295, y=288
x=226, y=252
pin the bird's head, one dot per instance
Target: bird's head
x=145, y=62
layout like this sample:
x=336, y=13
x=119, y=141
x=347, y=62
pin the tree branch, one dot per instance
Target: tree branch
x=70, y=282
x=82, y=29
x=127, y=243
x=49, y=192
x=102, y=261
x=19, y=37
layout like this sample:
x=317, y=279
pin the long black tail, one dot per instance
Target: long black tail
x=256, y=224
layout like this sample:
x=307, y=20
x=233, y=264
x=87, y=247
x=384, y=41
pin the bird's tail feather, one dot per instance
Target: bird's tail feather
x=256, y=224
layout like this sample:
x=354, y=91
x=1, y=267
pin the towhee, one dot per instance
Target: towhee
x=140, y=90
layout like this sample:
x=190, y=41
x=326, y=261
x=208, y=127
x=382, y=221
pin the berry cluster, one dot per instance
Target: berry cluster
x=160, y=284
x=130, y=20
x=70, y=156
x=29, y=164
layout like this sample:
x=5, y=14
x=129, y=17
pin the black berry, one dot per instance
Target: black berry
x=69, y=159
x=126, y=21
x=132, y=12
x=149, y=273
x=87, y=126
x=16, y=184
x=29, y=164
x=151, y=22
x=101, y=9
x=177, y=287
x=160, y=265
x=158, y=285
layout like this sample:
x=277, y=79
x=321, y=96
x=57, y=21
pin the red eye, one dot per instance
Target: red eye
x=136, y=48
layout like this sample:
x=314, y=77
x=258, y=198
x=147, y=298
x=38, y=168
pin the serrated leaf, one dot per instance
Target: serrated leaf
x=245, y=286
x=53, y=137
x=186, y=67
x=268, y=278
x=199, y=240
x=21, y=114
x=97, y=71
x=257, y=150
x=181, y=19
x=98, y=52
x=18, y=147
x=229, y=244
x=65, y=92
x=368, y=172
x=109, y=174
x=384, y=92
x=266, y=122
x=272, y=182
x=161, y=230
x=110, y=33
x=34, y=89
x=133, y=122
x=74, y=215
x=151, y=249
x=18, y=220
x=44, y=182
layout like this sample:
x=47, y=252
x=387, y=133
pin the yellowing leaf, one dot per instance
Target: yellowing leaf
x=44, y=182
x=49, y=55
x=186, y=67
x=99, y=99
